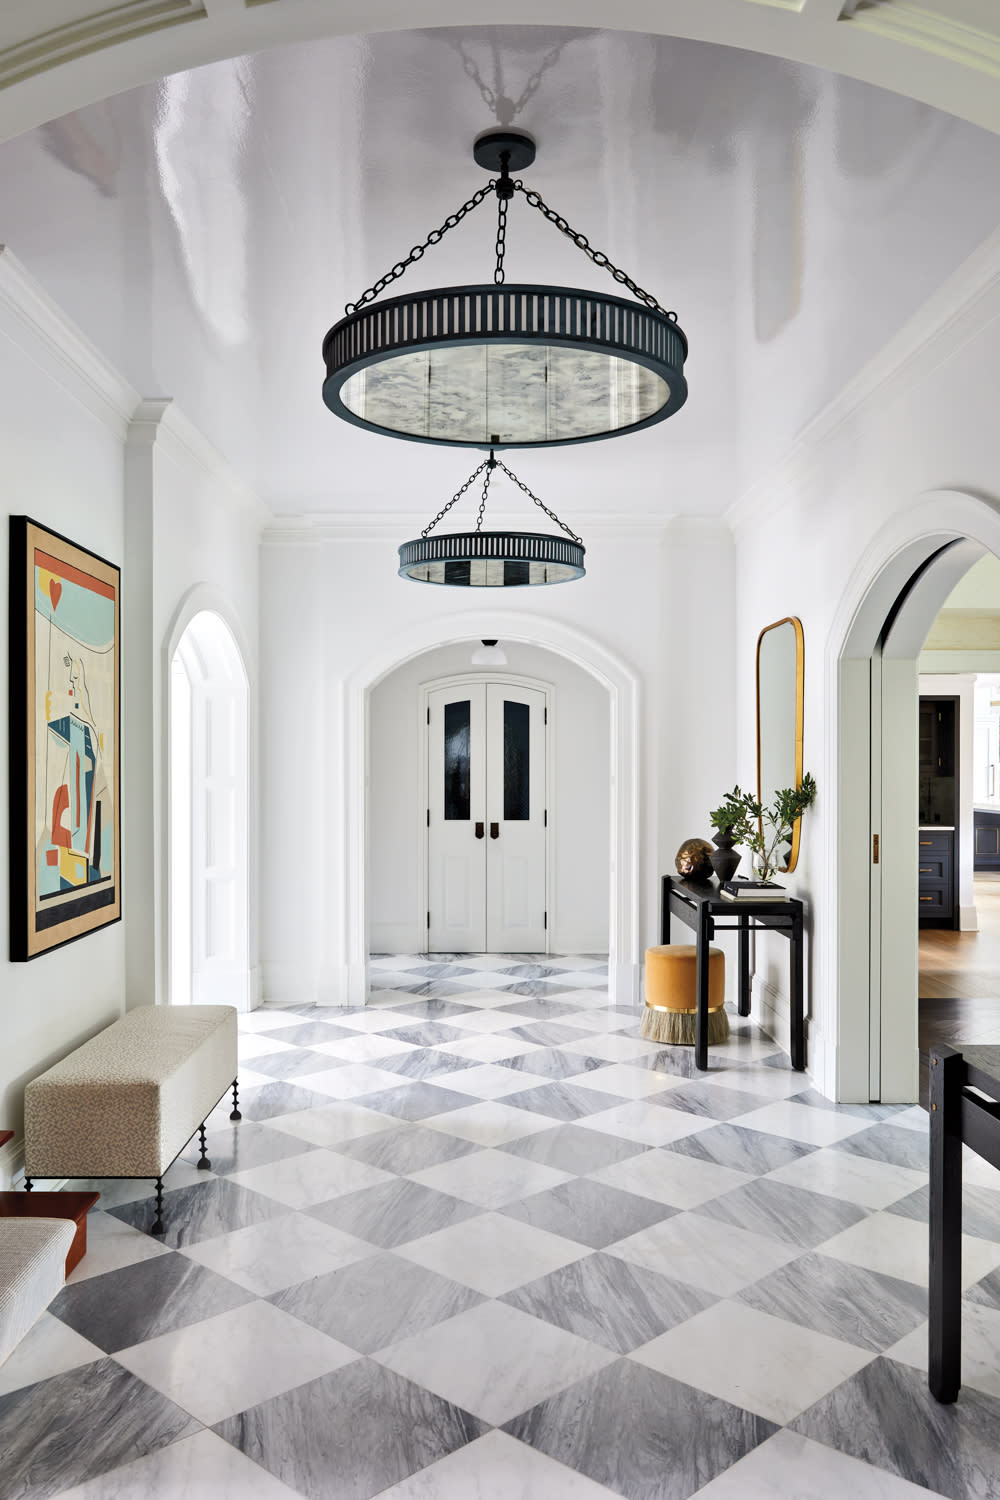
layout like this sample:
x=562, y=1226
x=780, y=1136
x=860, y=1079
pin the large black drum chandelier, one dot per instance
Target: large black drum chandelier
x=497, y=365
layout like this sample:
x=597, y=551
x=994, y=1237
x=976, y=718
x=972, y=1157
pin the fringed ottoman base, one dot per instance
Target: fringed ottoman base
x=678, y=1028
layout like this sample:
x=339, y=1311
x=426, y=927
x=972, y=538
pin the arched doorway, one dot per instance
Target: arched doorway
x=209, y=821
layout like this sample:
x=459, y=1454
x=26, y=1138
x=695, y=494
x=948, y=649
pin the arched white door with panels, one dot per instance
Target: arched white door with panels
x=486, y=818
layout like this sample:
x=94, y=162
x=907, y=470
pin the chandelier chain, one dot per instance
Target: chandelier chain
x=498, y=274
x=540, y=503
x=597, y=256
x=435, y=236
x=456, y=497
x=491, y=464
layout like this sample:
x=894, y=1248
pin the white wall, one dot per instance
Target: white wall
x=579, y=730
x=658, y=597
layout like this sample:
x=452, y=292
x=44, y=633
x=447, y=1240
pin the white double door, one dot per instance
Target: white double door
x=486, y=819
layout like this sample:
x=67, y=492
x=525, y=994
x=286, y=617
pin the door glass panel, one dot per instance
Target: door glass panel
x=457, y=750
x=515, y=762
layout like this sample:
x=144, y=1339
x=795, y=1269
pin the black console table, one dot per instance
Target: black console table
x=958, y=1118
x=700, y=907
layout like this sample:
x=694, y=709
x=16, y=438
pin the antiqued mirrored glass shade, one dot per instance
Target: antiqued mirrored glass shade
x=492, y=559
x=505, y=366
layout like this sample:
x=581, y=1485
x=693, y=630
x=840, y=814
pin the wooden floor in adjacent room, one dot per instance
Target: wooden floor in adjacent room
x=960, y=980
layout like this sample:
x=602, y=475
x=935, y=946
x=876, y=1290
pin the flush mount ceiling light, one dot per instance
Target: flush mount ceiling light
x=489, y=654
x=492, y=559
x=497, y=365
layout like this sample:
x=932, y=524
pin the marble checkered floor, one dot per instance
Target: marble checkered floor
x=479, y=1241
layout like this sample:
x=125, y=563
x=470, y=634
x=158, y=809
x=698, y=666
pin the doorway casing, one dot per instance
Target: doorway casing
x=622, y=686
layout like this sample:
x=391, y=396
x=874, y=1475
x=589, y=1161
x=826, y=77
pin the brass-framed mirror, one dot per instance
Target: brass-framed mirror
x=780, y=694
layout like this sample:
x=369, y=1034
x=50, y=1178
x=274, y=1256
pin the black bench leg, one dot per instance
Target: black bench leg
x=945, y=1289
x=204, y=1165
x=27, y=1184
x=158, y=1221
x=236, y=1104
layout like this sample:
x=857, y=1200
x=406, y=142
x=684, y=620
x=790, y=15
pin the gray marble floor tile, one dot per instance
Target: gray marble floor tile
x=563, y=1101
x=142, y=1301
x=986, y=1292
x=980, y=1209
x=531, y=971
x=546, y=1033
x=640, y=1433
x=410, y=1148
x=424, y=1063
x=426, y=1034
x=741, y=1149
x=296, y=1063
x=542, y=1006
x=273, y=1099
x=875, y=1113
x=864, y=1308
x=351, y=1433
x=892, y=1143
x=791, y=1214
x=434, y=999
x=79, y=1425
x=376, y=1302
x=309, y=1033
x=550, y=1062
x=394, y=1212
x=589, y=1212
x=442, y=970
x=197, y=1213
x=417, y=1101
x=245, y=1143
x=201, y=1467
x=610, y=1302
x=717, y=1101
x=886, y=1415
x=571, y=1149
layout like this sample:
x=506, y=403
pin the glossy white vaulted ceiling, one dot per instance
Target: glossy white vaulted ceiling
x=207, y=229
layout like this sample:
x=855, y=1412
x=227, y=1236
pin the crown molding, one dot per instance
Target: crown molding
x=957, y=313
x=38, y=326
x=158, y=420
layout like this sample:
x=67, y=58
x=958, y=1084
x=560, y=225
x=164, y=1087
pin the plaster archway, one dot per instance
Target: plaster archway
x=869, y=963
x=622, y=686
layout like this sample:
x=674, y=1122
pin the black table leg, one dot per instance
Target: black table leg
x=665, y=888
x=798, y=1021
x=945, y=1291
x=701, y=993
x=744, y=990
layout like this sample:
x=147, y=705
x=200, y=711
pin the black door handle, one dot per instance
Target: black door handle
x=480, y=830
x=494, y=830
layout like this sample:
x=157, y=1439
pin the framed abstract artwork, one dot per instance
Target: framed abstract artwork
x=65, y=741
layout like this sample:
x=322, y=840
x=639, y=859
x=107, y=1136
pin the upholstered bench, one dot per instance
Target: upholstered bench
x=127, y=1102
x=32, y=1269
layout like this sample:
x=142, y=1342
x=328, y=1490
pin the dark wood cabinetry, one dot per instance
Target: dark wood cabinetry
x=937, y=839
x=986, y=832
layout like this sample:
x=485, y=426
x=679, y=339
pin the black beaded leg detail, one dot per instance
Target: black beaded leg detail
x=204, y=1165
x=158, y=1221
x=27, y=1184
x=236, y=1104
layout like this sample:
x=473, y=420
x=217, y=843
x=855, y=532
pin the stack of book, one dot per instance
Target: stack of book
x=752, y=890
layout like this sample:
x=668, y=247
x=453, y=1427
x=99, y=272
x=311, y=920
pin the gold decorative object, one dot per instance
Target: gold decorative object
x=694, y=860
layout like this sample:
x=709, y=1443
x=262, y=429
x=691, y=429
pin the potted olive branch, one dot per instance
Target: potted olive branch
x=741, y=819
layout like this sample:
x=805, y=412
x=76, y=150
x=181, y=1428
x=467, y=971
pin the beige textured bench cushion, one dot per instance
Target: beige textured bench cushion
x=32, y=1269
x=124, y=1103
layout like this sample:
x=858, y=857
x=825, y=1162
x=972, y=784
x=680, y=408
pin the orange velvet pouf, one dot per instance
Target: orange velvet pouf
x=670, y=1017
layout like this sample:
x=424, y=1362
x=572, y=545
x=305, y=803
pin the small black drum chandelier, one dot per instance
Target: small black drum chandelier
x=492, y=559
x=497, y=366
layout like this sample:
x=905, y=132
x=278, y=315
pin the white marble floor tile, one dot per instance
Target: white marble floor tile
x=50, y=1347
x=354, y=1081
x=603, y=1020
x=801, y=1122
x=265, y=1018
x=612, y=1047
x=233, y=1361
x=111, y=1245
x=364, y=1047
x=488, y=1020
x=769, y=1083
x=201, y=1467
x=369, y=1018
x=495, y=1361
x=492, y=1253
x=895, y=1246
x=331, y=1124
x=980, y=1348
x=791, y=1467
x=497, y=1467
x=669, y=1177
x=253, y=1045
x=977, y=1172
x=488, y=1081
x=650, y=1124
x=764, y=1364
x=490, y=1178
x=631, y=1083
x=489, y=1047
x=491, y=1123
x=914, y=1118
x=313, y=1177
x=267, y=1257
x=115, y=1191
x=706, y=1253
x=855, y=1179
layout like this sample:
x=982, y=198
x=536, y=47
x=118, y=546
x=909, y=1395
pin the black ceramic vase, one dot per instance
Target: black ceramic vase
x=726, y=860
